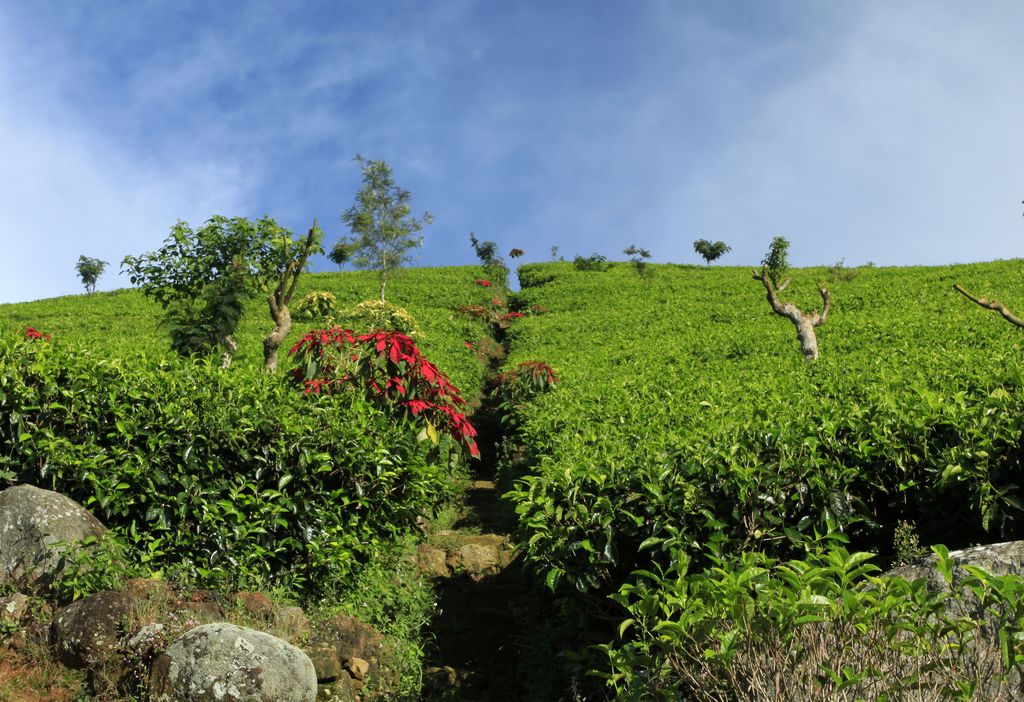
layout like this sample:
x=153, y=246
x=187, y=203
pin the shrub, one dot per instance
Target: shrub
x=523, y=383
x=593, y=262
x=318, y=304
x=230, y=472
x=839, y=273
x=389, y=370
x=374, y=315
x=821, y=627
x=638, y=257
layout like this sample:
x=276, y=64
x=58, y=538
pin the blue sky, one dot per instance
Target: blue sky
x=867, y=131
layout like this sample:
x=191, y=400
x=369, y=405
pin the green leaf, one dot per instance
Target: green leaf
x=625, y=625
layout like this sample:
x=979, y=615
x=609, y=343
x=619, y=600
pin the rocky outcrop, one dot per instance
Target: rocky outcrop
x=1005, y=558
x=35, y=527
x=228, y=663
x=995, y=559
x=998, y=559
x=476, y=556
x=87, y=634
x=347, y=655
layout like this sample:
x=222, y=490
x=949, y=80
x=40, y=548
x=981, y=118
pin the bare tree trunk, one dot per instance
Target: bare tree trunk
x=805, y=323
x=272, y=342
x=991, y=305
x=282, y=295
x=229, y=345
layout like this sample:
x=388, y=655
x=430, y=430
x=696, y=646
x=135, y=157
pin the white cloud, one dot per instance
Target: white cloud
x=901, y=147
x=863, y=131
x=72, y=189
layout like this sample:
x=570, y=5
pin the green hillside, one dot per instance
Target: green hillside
x=233, y=478
x=686, y=439
x=687, y=378
x=687, y=428
x=124, y=322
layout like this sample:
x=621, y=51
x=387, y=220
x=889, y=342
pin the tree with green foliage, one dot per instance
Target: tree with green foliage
x=776, y=262
x=492, y=262
x=90, y=270
x=638, y=257
x=342, y=252
x=382, y=223
x=711, y=250
x=202, y=278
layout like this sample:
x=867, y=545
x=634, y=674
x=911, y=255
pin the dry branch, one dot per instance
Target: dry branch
x=991, y=305
x=804, y=322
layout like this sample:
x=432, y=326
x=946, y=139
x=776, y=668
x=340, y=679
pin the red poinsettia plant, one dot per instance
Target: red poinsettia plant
x=495, y=312
x=391, y=371
x=527, y=380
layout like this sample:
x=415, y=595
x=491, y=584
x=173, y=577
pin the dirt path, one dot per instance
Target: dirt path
x=484, y=599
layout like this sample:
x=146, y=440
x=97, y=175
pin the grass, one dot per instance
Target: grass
x=31, y=675
x=124, y=322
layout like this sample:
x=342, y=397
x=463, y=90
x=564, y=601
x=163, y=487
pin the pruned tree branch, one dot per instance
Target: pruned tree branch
x=991, y=305
x=282, y=295
x=804, y=322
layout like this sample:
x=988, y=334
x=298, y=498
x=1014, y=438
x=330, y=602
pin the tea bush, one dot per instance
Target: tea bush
x=231, y=471
x=825, y=626
x=123, y=323
x=684, y=418
x=703, y=422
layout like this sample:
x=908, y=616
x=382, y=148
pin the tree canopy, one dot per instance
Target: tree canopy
x=381, y=222
x=203, y=277
x=90, y=270
x=711, y=250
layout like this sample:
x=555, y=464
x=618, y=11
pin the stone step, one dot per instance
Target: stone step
x=476, y=555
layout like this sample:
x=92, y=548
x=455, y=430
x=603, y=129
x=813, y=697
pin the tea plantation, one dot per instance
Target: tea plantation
x=688, y=433
x=232, y=478
x=700, y=501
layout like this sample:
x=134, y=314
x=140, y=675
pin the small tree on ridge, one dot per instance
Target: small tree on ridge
x=711, y=251
x=776, y=262
x=90, y=270
x=638, y=257
x=382, y=223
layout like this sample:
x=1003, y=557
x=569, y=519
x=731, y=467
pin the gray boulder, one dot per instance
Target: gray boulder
x=229, y=663
x=32, y=524
x=87, y=634
x=998, y=559
x=1005, y=558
